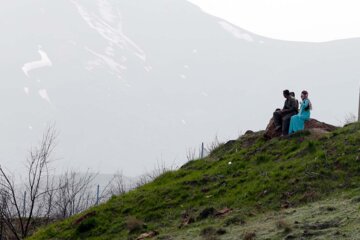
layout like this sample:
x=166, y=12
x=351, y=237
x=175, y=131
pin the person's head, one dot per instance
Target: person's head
x=286, y=93
x=292, y=94
x=304, y=95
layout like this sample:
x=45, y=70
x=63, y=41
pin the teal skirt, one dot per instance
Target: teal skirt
x=297, y=122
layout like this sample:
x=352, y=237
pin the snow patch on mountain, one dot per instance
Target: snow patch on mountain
x=26, y=90
x=115, y=66
x=148, y=68
x=105, y=9
x=43, y=62
x=44, y=95
x=236, y=32
x=90, y=65
x=108, y=24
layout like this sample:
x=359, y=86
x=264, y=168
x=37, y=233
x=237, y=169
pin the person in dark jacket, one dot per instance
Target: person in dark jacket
x=292, y=94
x=282, y=116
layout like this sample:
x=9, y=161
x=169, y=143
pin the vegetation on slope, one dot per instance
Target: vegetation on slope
x=250, y=175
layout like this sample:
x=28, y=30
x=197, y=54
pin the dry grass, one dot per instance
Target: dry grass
x=249, y=236
x=283, y=225
x=134, y=225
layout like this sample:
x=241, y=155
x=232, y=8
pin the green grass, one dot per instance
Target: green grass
x=263, y=177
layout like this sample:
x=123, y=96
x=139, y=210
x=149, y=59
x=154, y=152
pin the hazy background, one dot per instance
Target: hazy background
x=130, y=83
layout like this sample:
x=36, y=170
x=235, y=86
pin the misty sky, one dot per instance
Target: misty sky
x=295, y=20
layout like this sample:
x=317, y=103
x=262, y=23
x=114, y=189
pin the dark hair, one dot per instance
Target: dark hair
x=304, y=92
x=292, y=94
x=286, y=92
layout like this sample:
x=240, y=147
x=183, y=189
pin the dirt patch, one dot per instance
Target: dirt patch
x=206, y=213
x=186, y=219
x=249, y=236
x=83, y=218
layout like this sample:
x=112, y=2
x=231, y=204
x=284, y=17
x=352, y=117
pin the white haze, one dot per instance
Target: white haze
x=130, y=83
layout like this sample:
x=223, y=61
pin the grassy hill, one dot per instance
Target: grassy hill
x=304, y=186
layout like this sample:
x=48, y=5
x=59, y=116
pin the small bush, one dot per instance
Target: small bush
x=282, y=224
x=249, y=236
x=236, y=220
x=206, y=213
x=153, y=216
x=311, y=146
x=165, y=237
x=86, y=225
x=134, y=225
x=210, y=233
x=220, y=231
x=262, y=158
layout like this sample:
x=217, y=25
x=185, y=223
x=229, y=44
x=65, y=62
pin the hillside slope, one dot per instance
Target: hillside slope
x=300, y=186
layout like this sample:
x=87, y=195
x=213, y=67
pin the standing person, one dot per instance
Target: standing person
x=282, y=116
x=297, y=122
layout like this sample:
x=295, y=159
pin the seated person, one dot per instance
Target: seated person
x=297, y=122
x=282, y=116
x=292, y=94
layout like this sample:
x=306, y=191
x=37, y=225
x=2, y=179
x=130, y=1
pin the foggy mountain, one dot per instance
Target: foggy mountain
x=129, y=83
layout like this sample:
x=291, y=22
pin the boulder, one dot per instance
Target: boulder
x=223, y=212
x=186, y=219
x=150, y=234
x=270, y=131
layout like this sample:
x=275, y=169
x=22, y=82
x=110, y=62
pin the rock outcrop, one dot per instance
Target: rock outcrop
x=312, y=124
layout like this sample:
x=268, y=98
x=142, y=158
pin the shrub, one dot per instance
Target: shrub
x=311, y=146
x=236, y=220
x=134, y=225
x=282, y=224
x=262, y=158
x=210, y=233
x=86, y=225
x=249, y=236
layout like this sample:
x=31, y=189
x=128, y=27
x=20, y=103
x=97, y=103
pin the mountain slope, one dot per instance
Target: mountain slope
x=259, y=180
x=149, y=79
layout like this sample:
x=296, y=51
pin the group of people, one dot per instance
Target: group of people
x=291, y=119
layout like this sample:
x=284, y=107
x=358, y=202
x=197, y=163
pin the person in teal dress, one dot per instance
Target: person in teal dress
x=297, y=122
